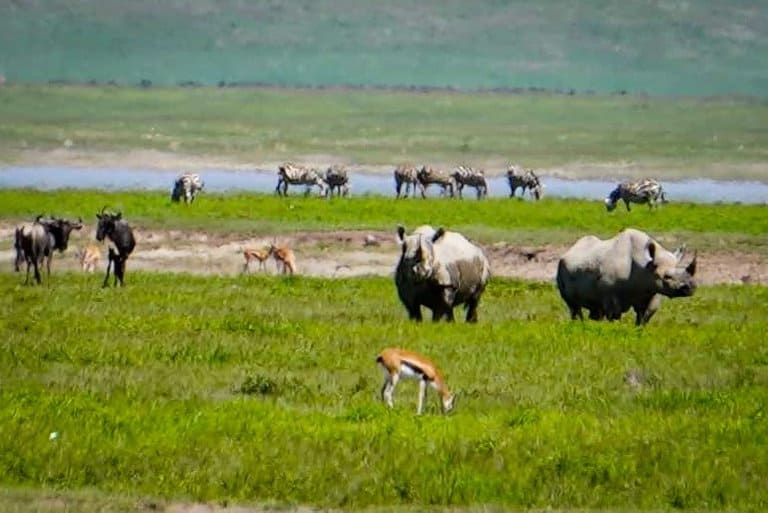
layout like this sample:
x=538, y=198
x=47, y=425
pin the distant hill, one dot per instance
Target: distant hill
x=658, y=47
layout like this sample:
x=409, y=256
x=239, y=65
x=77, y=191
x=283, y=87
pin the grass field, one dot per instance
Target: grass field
x=741, y=227
x=265, y=389
x=670, y=47
x=617, y=135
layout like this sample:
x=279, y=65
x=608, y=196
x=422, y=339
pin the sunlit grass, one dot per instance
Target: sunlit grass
x=265, y=389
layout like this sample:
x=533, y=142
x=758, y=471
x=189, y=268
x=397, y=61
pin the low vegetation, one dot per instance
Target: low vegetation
x=546, y=222
x=264, y=389
x=670, y=138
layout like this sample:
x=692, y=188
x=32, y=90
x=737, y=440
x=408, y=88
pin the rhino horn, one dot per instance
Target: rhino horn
x=439, y=233
x=691, y=269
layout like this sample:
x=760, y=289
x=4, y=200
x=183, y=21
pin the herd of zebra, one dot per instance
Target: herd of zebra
x=410, y=179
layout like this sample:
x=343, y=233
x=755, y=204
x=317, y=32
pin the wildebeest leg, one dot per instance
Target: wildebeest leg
x=48, y=267
x=120, y=270
x=29, y=264
x=110, y=257
x=626, y=202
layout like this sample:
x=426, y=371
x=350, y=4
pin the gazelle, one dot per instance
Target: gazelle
x=285, y=260
x=251, y=254
x=90, y=257
x=400, y=363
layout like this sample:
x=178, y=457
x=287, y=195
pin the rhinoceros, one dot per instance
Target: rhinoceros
x=440, y=270
x=631, y=270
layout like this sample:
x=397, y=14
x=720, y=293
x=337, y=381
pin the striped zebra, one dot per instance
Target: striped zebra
x=186, y=186
x=640, y=191
x=429, y=176
x=294, y=174
x=524, y=180
x=408, y=176
x=336, y=177
x=466, y=176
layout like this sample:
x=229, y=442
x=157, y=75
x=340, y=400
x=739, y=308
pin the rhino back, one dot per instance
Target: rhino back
x=460, y=264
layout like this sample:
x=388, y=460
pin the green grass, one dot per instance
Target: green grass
x=261, y=389
x=673, y=47
x=671, y=139
x=518, y=222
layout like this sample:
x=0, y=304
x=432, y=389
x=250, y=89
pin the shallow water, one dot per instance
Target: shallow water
x=217, y=180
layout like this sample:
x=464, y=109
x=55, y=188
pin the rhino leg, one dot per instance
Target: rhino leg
x=414, y=312
x=472, y=310
x=595, y=314
x=644, y=311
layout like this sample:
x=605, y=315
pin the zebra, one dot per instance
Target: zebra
x=527, y=180
x=336, y=177
x=641, y=191
x=187, y=186
x=293, y=174
x=466, y=176
x=429, y=176
x=407, y=175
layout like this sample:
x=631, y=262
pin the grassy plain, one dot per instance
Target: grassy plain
x=601, y=135
x=265, y=389
x=671, y=47
x=549, y=221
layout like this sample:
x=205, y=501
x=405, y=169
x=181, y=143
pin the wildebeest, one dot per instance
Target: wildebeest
x=293, y=174
x=467, y=176
x=440, y=270
x=38, y=240
x=112, y=226
x=524, y=180
x=187, y=186
x=429, y=176
x=408, y=176
x=337, y=178
x=631, y=270
x=19, y=258
x=640, y=191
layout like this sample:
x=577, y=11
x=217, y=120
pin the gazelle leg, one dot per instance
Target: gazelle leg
x=389, y=389
x=422, y=395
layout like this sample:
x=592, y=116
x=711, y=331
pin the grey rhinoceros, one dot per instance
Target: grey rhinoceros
x=440, y=270
x=631, y=270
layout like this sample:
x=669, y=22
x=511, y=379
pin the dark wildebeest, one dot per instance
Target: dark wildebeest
x=429, y=176
x=637, y=191
x=524, y=180
x=467, y=176
x=337, y=178
x=408, y=176
x=116, y=229
x=187, y=186
x=37, y=242
x=631, y=270
x=440, y=270
x=293, y=174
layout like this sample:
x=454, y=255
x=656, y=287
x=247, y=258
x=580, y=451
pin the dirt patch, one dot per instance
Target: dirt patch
x=336, y=254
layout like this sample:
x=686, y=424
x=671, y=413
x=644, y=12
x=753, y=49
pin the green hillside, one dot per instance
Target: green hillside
x=658, y=47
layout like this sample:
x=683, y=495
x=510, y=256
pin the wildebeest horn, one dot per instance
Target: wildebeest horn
x=103, y=209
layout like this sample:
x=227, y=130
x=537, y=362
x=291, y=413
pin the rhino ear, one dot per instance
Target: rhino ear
x=400, y=234
x=439, y=233
x=650, y=253
x=680, y=252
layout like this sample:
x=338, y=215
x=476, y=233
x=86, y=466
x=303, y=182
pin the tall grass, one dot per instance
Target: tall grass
x=719, y=138
x=265, y=389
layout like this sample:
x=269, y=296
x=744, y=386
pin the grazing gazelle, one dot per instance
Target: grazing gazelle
x=285, y=260
x=251, y=254
x=90, y=257
x=400, y=363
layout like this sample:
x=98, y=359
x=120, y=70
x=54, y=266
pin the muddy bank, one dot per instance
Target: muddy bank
x=338, y=254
